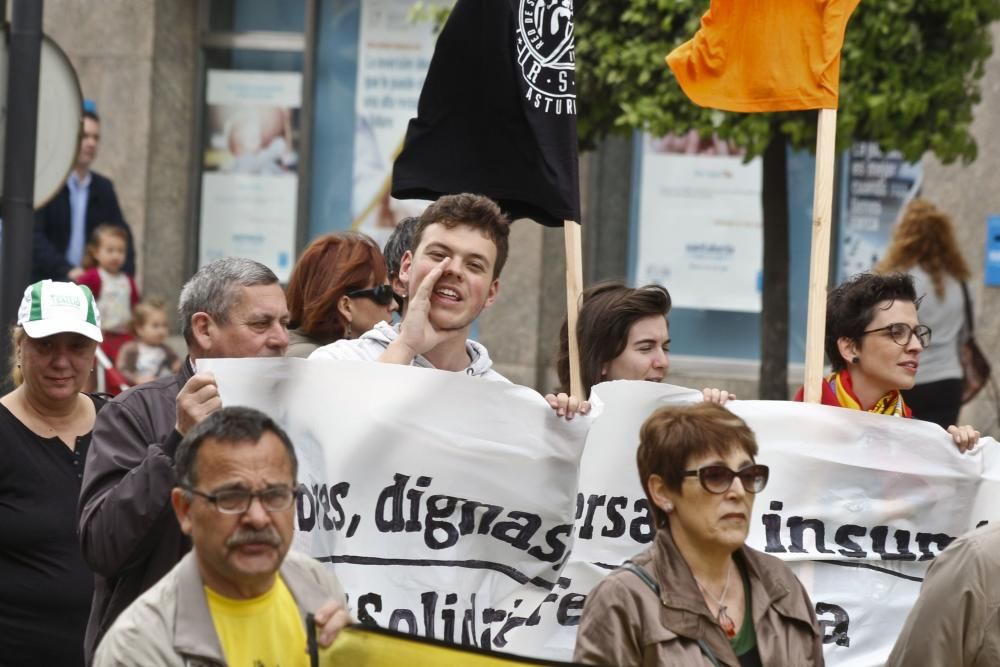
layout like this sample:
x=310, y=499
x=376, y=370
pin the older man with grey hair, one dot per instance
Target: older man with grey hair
x=232, y=307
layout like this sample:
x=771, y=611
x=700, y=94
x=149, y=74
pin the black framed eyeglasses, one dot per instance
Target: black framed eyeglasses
x=901, y=333
x=237, y=501
x=718, y=478
x=380, y=294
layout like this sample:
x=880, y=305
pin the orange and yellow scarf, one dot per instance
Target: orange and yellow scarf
x=839, y=392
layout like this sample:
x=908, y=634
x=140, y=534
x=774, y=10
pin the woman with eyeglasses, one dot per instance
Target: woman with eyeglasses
x=699, y=595
x=337, y=290
x=874, y=342
x=924, y=246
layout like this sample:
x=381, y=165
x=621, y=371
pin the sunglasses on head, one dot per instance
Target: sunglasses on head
x=718, y=478
x=380, y=294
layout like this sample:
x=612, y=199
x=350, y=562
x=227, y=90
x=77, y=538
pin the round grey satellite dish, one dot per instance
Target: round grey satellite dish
x=60, y=107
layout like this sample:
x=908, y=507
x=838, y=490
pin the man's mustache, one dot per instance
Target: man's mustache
x=267, y=536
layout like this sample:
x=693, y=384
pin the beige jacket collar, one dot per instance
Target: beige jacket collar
x=194, y=630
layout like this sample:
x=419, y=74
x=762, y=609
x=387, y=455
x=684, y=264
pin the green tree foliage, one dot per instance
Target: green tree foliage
x=910, y=75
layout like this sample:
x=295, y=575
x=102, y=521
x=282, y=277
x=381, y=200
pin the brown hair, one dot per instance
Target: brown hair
x=330, y=267
x=102, y=230
x=142, y=310
x=608, y=312
x=673, y=434
x=476, y=211
x=925, y=237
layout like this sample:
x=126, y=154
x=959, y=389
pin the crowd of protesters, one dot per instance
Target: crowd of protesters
x=103, y=500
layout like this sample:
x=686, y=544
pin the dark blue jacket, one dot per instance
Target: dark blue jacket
x=52, y=229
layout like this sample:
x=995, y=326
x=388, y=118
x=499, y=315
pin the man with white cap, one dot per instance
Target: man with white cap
x=232, y=307
x=45, y=429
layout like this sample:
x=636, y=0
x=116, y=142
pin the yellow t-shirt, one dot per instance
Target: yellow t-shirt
x=265, y=631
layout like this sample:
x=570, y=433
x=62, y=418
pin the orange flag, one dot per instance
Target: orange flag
x=765, y=55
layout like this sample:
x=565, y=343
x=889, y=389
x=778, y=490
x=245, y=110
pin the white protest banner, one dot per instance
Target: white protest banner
x=444, y=503
x=857, y=504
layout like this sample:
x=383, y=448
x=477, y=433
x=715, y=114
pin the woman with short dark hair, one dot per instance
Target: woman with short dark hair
x=874, y=341
x=699, y=595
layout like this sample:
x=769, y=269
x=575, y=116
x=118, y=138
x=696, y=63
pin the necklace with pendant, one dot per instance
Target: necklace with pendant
x=722, y=618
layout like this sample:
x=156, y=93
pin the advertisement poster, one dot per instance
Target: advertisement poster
x=877, y=187
x=700, y=223
x=395, y=55
x=249, y=183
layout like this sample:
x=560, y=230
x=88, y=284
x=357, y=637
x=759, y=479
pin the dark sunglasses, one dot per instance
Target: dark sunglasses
x=380, y=294
x=718, y=478
x=902, y=333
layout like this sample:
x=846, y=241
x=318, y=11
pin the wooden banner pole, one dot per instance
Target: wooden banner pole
x=819, y=264
x=574, y=290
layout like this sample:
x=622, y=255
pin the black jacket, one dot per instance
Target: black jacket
x=128, y=532
x=52, y=228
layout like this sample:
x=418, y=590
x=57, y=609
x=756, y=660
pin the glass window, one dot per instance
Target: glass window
x=254, y=15
x=736, y=335
x=332, y=178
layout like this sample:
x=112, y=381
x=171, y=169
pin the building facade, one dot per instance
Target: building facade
x=180, y=84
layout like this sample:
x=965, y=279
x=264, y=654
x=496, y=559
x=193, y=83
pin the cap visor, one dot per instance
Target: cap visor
x=43, y=328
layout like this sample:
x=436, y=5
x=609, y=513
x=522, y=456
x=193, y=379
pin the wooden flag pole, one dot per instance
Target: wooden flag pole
x=819, y=264
x=574, y=289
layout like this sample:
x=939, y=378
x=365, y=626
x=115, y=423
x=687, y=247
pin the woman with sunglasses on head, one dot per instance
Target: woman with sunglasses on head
x=623, y=334
x=337, y=290
x=874, y=342
x=699, y=595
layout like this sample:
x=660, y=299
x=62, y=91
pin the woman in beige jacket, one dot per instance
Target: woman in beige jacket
x=699, y=595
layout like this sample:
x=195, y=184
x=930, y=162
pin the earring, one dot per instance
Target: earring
x=855, y=360
x=669, y=507
x=347, y=334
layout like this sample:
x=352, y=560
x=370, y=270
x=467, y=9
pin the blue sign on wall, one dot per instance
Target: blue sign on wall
x=992, y=271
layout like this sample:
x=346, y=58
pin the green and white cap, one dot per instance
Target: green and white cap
x=50, y=307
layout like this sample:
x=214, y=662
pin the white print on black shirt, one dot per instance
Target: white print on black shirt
x=545, y=54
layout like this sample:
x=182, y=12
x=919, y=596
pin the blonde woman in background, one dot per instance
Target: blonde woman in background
x=924, y=246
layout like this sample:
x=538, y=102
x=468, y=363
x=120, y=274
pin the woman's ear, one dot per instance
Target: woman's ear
x=849, y=349
x=345, y=306
x=662, y=496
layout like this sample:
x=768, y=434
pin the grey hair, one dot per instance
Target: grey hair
x=236, y=424
x=213, y=289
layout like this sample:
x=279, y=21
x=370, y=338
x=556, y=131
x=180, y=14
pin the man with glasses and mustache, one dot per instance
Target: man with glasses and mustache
x=874, y=342
x=231, y=308
x=452, y=274
x=240, y=597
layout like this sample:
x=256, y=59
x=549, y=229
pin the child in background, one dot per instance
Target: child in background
x=149, y=357
x=114, y=290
